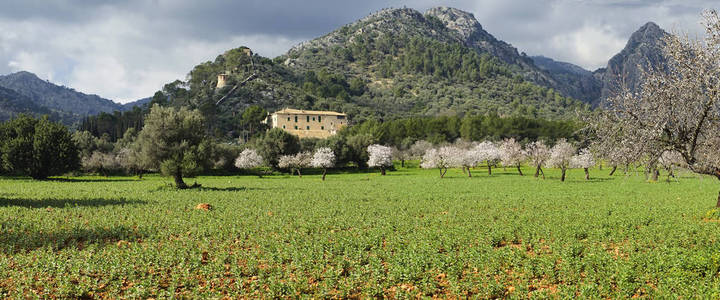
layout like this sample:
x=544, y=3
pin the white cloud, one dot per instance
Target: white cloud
x=118, y=57
x=588, y=46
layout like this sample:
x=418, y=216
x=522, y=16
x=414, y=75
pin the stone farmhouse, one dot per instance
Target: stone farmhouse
x=308, y=123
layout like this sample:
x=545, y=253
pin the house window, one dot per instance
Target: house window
x=308, y=119
x=313, y=118
x=322, y=127
x=283, y=126
x=288, y=119
x=319, y=118
x=341, y=117
x=295, y=119
x=308, y=127
x=295, y=127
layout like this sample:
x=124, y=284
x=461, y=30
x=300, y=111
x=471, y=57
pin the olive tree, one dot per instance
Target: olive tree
x=173, y=141
x=678, y=106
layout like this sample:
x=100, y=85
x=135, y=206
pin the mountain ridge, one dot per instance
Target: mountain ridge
x=38, y=96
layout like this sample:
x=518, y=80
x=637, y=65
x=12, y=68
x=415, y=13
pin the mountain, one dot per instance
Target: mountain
x=55, y=97
x=447, y=25
x=440, y=62
x=12, y=104
x=580, y=81
x=139, y=102
x=24, y=92
x=644, y=49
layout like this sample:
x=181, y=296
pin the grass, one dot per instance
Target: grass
x=406, y=234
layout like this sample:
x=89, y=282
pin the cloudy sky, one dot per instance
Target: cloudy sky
x=126, y=50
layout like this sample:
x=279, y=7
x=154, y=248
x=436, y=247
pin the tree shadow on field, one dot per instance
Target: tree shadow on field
x=65, y=202
x=580, y=180
x=91, y=180
x=15, y=238
x=226, y=189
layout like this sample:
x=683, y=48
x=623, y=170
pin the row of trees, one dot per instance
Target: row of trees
x=509, y=153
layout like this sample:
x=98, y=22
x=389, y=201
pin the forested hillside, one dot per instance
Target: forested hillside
x=396, y=63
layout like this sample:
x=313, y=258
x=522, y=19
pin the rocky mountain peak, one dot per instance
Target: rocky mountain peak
x=462, y=22
x=624, y=70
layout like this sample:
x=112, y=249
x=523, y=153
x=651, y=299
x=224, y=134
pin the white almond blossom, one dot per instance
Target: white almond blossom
x=380, y=156
x=323, y=158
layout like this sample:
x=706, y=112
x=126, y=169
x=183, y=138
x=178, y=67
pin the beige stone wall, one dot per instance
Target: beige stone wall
x=309, y=125
x=222, y=79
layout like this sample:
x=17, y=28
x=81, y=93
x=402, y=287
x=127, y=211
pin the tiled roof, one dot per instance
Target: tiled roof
x=291, y=111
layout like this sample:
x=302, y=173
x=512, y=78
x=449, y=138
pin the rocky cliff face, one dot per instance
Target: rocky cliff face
x=624, y=70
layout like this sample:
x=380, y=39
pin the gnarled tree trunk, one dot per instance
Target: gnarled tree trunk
x=179, y=183
x=519, y=170
x=324, y=172
x=613, y=170
x=489, y=169
x=587, y=174
x=382, y=171
x=562, y=177
x=469, y=174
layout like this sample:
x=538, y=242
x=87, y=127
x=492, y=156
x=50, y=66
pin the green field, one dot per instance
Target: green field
x=406, y=234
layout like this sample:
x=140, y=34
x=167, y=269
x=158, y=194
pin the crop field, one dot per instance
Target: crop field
x=357, y=235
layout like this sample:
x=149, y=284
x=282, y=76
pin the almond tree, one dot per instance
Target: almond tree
x=323, y=158
x=418, y=149
x=249, y=159
x=538, y=153
x=584, y=160
x=678, y=107
x=100, y=162
x=511, y=154
x=670, y=160
x=379, y=156
x=469, y=158
x=489, y=153
x=442, y=159
x=295, y=162
x=560, y=156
